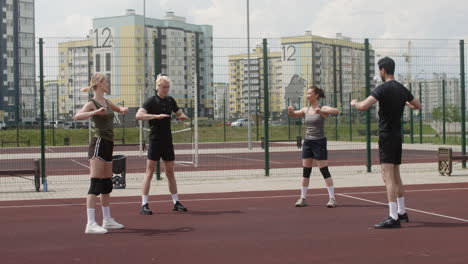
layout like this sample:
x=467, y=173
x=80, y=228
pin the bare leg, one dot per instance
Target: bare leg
x=390, y=183
x=150, y=168
x=169, y=170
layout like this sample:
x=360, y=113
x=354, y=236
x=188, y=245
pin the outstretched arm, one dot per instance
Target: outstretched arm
x=327, y=110
x=88, y=111
x=415, y=104
x=118, y=109
x=364, y=105
x=180, y=115
x=297, y=113
x=142, y=114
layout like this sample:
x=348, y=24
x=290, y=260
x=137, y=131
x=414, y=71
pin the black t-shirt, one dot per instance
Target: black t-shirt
x=155, y=105
x=392, y=97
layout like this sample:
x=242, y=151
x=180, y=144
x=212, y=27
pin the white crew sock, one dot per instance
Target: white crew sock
x=331, y=191
x=304, y=192
x=91, y=215
x=392, y=208
x=144, y=199
x=106, y=212
x=175, y=197
x=401, y=205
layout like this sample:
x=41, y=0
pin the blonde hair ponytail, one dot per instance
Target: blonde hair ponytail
x=95, y=79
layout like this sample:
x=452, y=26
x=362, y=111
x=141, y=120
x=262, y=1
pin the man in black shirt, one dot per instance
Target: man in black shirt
x=392, y=97
x=158, y=109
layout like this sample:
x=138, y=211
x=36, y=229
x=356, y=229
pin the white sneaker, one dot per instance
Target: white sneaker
x=111, y=224
x=301, y=202
x=331, y=203
x=94, y=228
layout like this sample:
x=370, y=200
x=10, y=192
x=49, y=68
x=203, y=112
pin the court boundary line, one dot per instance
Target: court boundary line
x=222, y=198
x=256, y=160
x=407, y=208
x=79, y=163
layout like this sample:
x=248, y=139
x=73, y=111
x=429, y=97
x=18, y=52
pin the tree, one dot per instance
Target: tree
x=452, y=113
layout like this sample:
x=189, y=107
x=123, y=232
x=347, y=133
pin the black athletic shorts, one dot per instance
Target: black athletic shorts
x=390, y=149
x=161, y=149
x=101, y=148
x=315, y=149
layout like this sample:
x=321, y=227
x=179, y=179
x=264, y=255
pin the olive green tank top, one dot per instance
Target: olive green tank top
x=104, y=123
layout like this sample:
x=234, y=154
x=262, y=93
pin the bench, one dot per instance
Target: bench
x=17, y=142
x=446, y=158
x=298, y=141
x=36, y=171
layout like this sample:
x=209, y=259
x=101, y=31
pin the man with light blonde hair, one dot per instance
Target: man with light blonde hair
x=157, y=110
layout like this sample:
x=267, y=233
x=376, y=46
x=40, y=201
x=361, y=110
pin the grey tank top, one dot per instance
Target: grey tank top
x=314, y=126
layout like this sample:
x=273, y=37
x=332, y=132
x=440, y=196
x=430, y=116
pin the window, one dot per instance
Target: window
x=98, y=62
x=11, y=100
x=108, y=76
x=108, y=62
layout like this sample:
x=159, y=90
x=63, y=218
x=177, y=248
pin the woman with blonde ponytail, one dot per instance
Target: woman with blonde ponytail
x=101, y=111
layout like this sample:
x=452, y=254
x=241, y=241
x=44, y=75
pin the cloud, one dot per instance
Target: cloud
x=392, y=19
x=355, y=18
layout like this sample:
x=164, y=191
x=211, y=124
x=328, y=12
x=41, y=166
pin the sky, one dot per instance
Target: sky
x=396, y=19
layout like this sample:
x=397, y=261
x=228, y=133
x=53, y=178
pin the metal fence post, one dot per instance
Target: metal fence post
x=462, y=92
x=157, y=71
x=350, y=120
x=420, y=116
x=411, y=120
x=41, y=91
x=443, y=113
x=368, y=117
x=266, y=106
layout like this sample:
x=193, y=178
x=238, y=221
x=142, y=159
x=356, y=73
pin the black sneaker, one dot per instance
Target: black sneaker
x=145, y=210
x=179, y=207
x=389, y=222
x=403, y=217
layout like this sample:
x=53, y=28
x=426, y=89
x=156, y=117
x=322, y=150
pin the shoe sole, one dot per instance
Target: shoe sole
x=143, y=213
x=390, y=227
x=301, y=205
x=178, y=210
x=95, y=233
x=331, y=206
x=113, y=227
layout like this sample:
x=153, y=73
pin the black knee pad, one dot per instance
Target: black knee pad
x=325, y=172
x=306, y=172
x=95, y=187
x=107, y=186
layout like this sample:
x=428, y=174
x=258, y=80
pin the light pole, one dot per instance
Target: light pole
x=249, y=125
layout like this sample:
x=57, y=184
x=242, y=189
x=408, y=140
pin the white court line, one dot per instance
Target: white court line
x=79, y=163
x=222, y=156
x=407, y=208
x=230, y=198
x=49, y=149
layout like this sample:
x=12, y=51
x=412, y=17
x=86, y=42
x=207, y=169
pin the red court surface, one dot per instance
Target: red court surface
x=244, y=227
